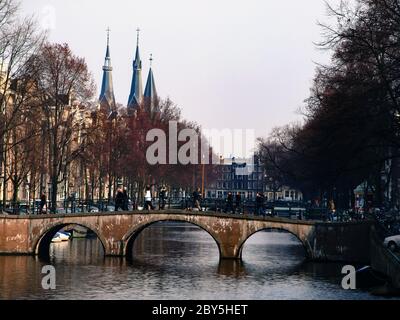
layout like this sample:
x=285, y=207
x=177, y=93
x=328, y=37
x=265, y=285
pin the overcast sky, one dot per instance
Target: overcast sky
x=226, y=63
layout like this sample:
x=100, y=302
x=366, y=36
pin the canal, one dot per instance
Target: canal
x=177, y=261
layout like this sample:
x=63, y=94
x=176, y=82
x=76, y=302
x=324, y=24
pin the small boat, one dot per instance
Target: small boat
x=61, y=237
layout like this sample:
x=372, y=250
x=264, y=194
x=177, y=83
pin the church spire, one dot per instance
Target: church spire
x=136, y=94
x=107, y=98
x=150, y=93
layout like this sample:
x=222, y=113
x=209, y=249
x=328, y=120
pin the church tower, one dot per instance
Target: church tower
x=136, y=95
x=107, y=98
x=151, y=99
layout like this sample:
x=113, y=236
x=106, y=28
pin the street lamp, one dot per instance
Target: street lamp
x=72, y=196
x=28, y=192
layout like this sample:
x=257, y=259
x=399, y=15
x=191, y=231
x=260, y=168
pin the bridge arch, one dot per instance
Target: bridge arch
x=42, y=242
x=135, y=231
x=302, y=240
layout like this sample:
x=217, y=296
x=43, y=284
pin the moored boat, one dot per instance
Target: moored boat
x=61, y=237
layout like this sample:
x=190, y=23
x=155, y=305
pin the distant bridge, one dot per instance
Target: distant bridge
x=32, y=235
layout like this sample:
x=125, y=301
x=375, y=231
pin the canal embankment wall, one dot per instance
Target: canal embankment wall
x=383, y=260
x=342, y=242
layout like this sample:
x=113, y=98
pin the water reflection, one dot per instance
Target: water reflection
x=15, y=273
x=89, y=252
x=232, y=268
x=177, y=261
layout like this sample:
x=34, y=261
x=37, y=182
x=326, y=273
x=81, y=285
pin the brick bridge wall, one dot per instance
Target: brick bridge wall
x=117, y=231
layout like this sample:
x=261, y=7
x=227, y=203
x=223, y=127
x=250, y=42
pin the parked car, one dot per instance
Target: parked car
x=93, y=209
x=9, y=211
x=317, y=214
x=289, y=209
x=63, y=211
x=110, y=208
x=24, y=209
x=16, y=211
x=393, y=243
x=269, y=209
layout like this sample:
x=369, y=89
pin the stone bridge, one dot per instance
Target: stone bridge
x=32, y=235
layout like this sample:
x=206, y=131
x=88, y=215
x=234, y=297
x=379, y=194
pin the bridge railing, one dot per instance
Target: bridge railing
x=34, y=207
x=218, y=205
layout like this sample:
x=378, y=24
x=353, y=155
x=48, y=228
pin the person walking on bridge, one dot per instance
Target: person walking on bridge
x=197, y=199
x=238, y=202
x=119, y=200
x=259, y=204
x=162, y=196
x=331, y=210
x=125, y=200
x=148, y=198
x=229, y=203
x=43, y=203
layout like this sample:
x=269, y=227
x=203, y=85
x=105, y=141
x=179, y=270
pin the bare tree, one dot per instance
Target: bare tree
x=65, y=88
x=8, y=12
x=19, y=41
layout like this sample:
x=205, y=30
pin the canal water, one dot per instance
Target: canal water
x=177, y=261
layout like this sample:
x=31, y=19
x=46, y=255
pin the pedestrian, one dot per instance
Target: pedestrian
x=187, y=203
x=73, y=202
x=229, y=203
x=238, y=202
x=197, y=199
x=148, y=205
x=119, y=200
x=259, y=203
x=133, y=200
x=162, y=197
x=331, y=210
x=125, y=200
x=42, y=204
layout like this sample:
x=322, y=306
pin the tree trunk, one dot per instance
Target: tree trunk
x=394, y=182
x=5, y=173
